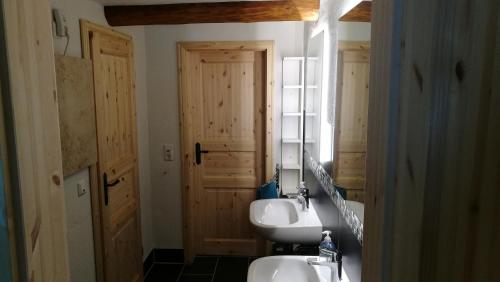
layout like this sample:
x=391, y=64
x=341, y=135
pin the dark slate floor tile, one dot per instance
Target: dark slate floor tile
x=195, y=278
x=201, y=265
x=169, y=255
x=164, y=272
x=231, y=269
x=148, y=263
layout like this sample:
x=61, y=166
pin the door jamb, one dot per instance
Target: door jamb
x=187, y=154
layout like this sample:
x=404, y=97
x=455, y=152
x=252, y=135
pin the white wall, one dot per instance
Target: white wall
x=157, y=109
x=164, y=107
x=354, y=31
x=73, y=11
x=79, y=224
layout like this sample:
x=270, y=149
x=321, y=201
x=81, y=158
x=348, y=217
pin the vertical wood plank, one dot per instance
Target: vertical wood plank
x=34, y=102
x=432, y=213
x=380, y=159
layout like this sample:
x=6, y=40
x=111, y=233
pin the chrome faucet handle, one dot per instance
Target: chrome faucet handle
x=301, y=188
x=330, y=264
x=336, y=257
x=315, y=261
x=302, y=200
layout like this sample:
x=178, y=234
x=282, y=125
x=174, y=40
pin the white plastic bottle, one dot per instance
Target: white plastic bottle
x=327, y=247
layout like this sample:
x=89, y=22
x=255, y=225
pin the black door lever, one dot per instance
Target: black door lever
x=107, y=186
x=199, y=151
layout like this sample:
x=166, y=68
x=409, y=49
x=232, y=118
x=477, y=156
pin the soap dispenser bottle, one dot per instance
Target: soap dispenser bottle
x=327, y=248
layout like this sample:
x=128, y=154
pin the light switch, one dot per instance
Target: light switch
x=168, y=152
x=81, y=188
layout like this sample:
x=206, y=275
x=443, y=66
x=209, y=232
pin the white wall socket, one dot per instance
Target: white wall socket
x=168, y=152
x=81, y=188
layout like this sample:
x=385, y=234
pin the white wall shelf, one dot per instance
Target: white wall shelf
x=296, y=114
x=292, y=123
x=291, y=166
x=292, y=141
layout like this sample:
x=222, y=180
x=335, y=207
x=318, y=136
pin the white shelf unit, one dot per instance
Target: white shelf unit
x=312, y=104
x=292, y=122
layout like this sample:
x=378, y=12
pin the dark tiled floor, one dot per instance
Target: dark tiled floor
x=203, y=269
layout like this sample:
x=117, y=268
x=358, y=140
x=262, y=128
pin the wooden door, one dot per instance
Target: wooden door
x=352, y=120
x=112, y=57
x=224, y=97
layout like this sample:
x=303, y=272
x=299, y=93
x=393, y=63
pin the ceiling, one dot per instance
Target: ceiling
x=155, y=2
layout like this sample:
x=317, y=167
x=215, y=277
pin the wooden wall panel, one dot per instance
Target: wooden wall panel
x=75, y=89
x=35, y=112
x=432, y=210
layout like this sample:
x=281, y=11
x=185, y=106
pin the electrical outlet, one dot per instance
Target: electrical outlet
x=81, y=188
x=168, y=152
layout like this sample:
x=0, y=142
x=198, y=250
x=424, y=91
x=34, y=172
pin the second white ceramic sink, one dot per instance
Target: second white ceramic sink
x=283, y=220
x=291, y=269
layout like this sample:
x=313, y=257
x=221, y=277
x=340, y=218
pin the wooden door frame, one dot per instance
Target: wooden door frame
x=86, y=29
x=187, y=158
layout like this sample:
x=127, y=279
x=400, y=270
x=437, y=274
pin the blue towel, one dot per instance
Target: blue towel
x=342, y=191
x=267, y=191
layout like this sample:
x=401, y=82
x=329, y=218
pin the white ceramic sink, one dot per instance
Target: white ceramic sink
x=290, y=269
x=283, y=220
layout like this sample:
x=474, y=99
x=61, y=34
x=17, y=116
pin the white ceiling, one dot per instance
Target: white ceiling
x=152, y=2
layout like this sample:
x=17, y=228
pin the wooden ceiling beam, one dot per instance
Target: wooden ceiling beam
x=215, y=12
x=361, y=13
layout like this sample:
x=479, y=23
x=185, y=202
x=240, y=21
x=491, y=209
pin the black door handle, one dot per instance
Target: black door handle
x=107, y=186
x=199, y=151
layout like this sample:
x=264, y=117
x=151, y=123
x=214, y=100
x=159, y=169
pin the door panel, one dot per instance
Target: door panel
x=350, y=160
x=123, y=245
x=112, y=58
x=226, y=97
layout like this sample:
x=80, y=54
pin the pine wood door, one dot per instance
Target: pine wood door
x=352, y=120
x=112, y=57
x=224, y=94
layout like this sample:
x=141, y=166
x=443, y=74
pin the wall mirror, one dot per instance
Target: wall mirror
x=336, y=115
x=317, y=129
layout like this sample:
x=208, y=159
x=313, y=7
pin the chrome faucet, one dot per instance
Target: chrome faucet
x=303, y=195
x=302, y=200
x=335, y=264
